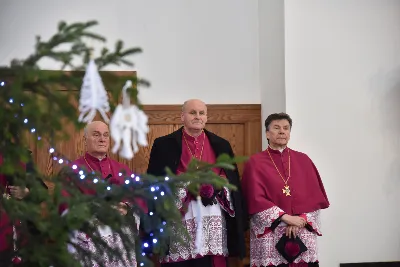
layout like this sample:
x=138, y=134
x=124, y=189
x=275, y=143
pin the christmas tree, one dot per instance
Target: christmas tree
x=33, y=111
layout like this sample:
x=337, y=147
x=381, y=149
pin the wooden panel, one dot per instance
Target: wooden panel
x=171, y=114
x=239, y=124
x=234, y=133
x=140, y=161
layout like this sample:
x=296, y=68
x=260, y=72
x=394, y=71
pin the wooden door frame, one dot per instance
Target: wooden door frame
x=247, y=114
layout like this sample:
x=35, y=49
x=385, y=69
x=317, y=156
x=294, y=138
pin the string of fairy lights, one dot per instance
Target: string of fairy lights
x=62, y=160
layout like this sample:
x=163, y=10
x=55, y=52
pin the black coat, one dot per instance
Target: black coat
x=166, y=152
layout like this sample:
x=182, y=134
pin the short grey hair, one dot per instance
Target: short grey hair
x=187, y=101
x=85, y=130
x=184, y=105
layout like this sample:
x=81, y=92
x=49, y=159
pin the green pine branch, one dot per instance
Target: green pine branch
x=36, y=110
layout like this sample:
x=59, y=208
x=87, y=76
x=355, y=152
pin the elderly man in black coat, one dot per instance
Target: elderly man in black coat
x=223, y=215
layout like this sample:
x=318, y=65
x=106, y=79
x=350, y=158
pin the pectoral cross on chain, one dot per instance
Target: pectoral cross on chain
x=286, y=190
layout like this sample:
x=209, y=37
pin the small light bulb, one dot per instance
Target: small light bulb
x=152, y=189
x=154, y=241
x=155, y=198
x=80, y=172
x=2, y=83
x=61, y=161
x=161, y=230
x=11, y=100
x=146, y=245
x=166, y=178
x=127, y=181
x=132, y=176
x=51, y=150
x=164, y=223
x=162, y=193
x=33, y=130
x=119, y=174
x=95, y=180
x=26, y=121
x=82, y=177
x=137, y=179
x=151, y=213
x=141, y=264
x=74, y=167
x=39, y=138
x=22, y=104
x=108, y=188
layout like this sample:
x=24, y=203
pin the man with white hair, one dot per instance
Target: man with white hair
x=97, y=143
x=222, y=214
x=95, y=159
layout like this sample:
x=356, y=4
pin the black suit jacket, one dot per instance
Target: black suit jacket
x=166, y=152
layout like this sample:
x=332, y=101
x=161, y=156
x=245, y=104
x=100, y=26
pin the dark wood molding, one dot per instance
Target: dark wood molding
x=171, y=114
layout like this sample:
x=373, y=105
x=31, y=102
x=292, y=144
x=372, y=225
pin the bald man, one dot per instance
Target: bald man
x=223, y=215
x=97, y=142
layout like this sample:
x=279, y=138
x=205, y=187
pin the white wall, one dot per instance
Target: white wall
x=339, y=61
x=342, y=61
x=271, y=58
x=192, y=49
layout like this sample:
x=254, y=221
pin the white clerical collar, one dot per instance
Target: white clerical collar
x=280, y=150
x=95, y=158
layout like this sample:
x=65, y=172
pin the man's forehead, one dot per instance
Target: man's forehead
x=99, y=131
x=195, y=104
x=101, y=128
x=196, y=108
x=280, y=122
